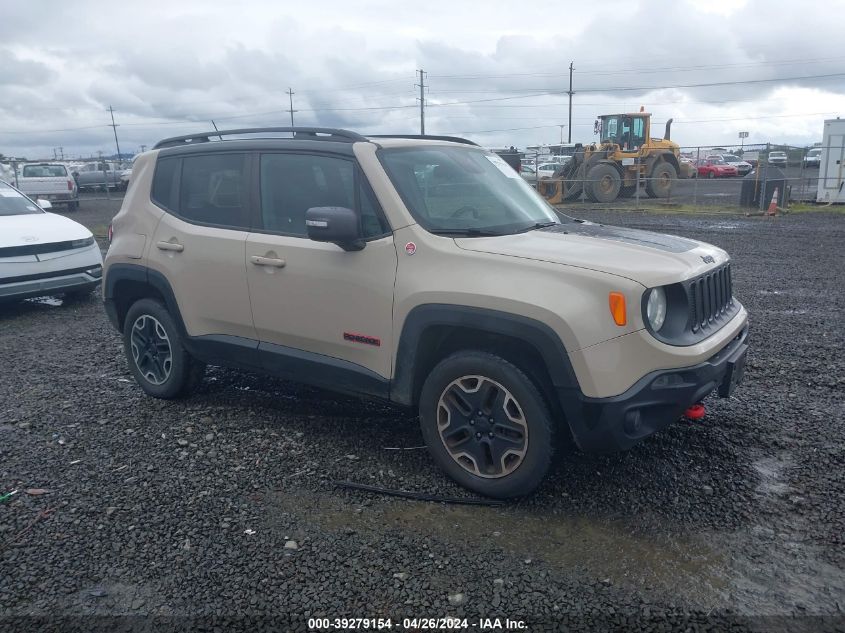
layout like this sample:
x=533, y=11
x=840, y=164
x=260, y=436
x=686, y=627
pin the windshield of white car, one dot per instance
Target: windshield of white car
x=814, y=152
x=44, y=171
x=465, y=191
x=730, y=158
x=13, y=202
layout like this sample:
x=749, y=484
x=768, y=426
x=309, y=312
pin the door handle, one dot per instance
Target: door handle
x=258, y=260
x=170, y=246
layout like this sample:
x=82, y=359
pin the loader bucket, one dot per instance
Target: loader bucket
x=557, y=190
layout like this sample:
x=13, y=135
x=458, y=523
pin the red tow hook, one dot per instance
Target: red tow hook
x=695, y=412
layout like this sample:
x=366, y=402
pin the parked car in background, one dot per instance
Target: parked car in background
x=125, y=177
x=98, y=175
x=49, y=181
x=546, y=170
x=43, y=253
x=752, y=157
x=777, y=158
x=813, y=157
x=715, y=168
x=742, y=167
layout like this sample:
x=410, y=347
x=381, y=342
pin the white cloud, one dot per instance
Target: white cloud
x=169, y=68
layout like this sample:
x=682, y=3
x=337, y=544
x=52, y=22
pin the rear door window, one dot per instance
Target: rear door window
x=213, y=190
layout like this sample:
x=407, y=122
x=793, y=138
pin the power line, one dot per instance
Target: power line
x=639, y=69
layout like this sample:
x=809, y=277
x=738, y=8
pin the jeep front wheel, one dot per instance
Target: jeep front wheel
x=486, y=424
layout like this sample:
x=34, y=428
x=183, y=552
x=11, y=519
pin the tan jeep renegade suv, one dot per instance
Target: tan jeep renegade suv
x=424, y=271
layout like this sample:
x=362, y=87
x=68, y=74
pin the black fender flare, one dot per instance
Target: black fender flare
x=117, y=273
x=534, y=333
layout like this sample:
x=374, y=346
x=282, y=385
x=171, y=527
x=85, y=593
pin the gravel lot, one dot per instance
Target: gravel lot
x=223, y=506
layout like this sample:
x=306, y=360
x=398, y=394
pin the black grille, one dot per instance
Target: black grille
x=38, y=249
x=711, y=295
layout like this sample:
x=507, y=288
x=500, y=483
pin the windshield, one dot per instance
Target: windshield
x=814, y=152
x=13, y=202
x=44, y=171
x=465, y=191
x=731, y=158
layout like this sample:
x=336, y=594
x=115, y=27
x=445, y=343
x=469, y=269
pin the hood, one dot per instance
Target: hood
x=652, y=259
x=39, y=228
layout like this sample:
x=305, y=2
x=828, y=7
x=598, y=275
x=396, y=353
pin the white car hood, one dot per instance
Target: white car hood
x=39, y=228
x=652, y=259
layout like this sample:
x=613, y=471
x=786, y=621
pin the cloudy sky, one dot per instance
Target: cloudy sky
x=497, y=71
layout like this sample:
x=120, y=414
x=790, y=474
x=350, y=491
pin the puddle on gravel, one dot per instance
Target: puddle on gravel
x=685, y=568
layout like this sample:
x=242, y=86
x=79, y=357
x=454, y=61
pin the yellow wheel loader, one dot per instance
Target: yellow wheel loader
x=608, y=170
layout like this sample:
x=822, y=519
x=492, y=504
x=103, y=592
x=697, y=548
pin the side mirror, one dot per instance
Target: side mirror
x=337, y=225
x=44, y=204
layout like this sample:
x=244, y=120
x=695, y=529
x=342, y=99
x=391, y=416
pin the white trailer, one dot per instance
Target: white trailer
x=832, y=164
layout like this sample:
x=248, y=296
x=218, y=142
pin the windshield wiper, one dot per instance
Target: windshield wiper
x=469, y=232
x=536, y=225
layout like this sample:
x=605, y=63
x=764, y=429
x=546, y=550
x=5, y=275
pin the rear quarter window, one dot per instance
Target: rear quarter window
x=164, y=183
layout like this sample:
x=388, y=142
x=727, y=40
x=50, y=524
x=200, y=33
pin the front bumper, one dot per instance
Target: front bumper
x=80, y=280
x=654, y=402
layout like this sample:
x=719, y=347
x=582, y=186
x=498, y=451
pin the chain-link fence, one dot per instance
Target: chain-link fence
x=705, y=178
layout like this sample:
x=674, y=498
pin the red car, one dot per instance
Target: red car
x=713, y=168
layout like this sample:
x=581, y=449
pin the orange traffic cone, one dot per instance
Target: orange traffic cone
x=773, y=205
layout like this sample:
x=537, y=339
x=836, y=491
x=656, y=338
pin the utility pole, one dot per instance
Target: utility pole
x=143, y=148
x=561, y=133
x=54, y=153
x=62, y=152
x=571, y=68
x=114, y=128
x=422, y=100
x=290, y=96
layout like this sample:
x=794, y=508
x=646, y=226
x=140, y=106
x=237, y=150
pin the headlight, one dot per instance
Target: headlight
x=83, y=242
x=656, y=308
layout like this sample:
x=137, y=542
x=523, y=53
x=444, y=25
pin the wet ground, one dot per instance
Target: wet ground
x=187, y=509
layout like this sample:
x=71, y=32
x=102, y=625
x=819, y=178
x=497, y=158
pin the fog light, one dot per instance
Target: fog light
x=633, y=422
x=667, y=380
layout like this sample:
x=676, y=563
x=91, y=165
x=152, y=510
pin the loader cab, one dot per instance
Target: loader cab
x=628, y=131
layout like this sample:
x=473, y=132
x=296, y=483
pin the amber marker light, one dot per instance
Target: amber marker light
x=617, y=308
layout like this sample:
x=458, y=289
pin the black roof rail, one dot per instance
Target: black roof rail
x=307, y=133
x=428, y=137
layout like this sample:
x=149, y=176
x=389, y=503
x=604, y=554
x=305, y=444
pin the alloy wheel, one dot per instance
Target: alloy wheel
x=151, y=349
x=482, y=426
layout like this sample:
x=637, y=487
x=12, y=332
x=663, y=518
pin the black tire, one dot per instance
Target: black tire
x=628, y=192
x=521, y=433
x=159, y=378
x=711, y=174
x=661, y=180
x=73, y=206
x=603, y=183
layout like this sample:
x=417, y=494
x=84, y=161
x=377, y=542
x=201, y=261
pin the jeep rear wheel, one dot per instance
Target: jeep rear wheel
x=486, y=424
x=157, y=359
